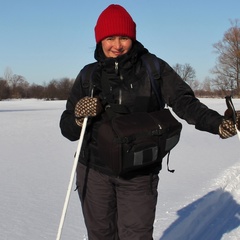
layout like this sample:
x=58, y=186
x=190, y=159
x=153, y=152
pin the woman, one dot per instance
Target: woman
x=123, y=207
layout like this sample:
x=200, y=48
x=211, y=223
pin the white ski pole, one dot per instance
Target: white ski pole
x=231, y=106
x=72, y=178
x=238, y=132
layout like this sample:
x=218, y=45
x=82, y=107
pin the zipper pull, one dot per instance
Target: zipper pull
x=116, y=68
x=120, y=97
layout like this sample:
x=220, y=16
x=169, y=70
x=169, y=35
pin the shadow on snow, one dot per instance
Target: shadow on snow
x=208, y=218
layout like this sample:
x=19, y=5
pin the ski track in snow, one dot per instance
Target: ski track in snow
x=200, y=201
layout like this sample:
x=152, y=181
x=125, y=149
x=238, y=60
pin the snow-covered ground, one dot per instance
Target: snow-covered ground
x=200, y=201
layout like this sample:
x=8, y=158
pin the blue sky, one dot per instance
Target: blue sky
x=52, y=39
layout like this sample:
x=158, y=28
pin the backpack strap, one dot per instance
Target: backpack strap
x=152, y=65
x=153, y=69
x=86, y=75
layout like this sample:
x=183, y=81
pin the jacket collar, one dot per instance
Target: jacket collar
x=123, y=62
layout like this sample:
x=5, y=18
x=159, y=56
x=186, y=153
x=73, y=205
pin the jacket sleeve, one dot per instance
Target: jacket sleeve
x=180, y=97
x=68, y=126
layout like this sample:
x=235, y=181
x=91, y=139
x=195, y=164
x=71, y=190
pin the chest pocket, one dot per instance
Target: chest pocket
x=132, y=91
x=141, y=94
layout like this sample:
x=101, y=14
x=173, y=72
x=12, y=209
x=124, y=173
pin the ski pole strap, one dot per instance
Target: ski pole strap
x=231, y=107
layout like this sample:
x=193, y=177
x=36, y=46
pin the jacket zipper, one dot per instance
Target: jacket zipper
x=120, y=90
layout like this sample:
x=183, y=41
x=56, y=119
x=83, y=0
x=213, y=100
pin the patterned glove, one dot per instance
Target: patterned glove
x=87, y=107
x=227, y=127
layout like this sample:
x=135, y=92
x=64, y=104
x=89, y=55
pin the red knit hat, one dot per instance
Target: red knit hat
x=115, y=21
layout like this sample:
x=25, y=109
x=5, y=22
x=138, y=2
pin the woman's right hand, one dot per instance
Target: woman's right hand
x=87, y=107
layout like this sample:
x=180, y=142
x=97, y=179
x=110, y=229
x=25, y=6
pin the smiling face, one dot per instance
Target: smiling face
x=115, y=46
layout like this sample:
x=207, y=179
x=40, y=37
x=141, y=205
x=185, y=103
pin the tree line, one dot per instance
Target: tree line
x=226, y=72
x=17, y=87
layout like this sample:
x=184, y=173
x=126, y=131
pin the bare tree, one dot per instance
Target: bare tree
x=227, y=69
x=187, y=73
x=8, y=74
x=207, y=84
x=36, y=91
x=4, y=89
x=64, y=87
x=51, y=91
x=19, y=86
x=209, y=88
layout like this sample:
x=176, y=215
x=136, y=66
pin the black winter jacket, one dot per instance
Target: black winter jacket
x=126, y=74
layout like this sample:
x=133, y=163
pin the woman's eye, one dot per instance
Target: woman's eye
x=124, y=38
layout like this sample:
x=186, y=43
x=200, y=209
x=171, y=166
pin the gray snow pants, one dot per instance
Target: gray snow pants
x=115, y=208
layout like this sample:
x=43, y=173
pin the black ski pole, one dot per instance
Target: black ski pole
x=234, y=114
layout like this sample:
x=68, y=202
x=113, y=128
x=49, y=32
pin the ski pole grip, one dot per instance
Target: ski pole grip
x=231, y=107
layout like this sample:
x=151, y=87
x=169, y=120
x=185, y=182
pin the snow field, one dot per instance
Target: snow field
x=200, y=201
